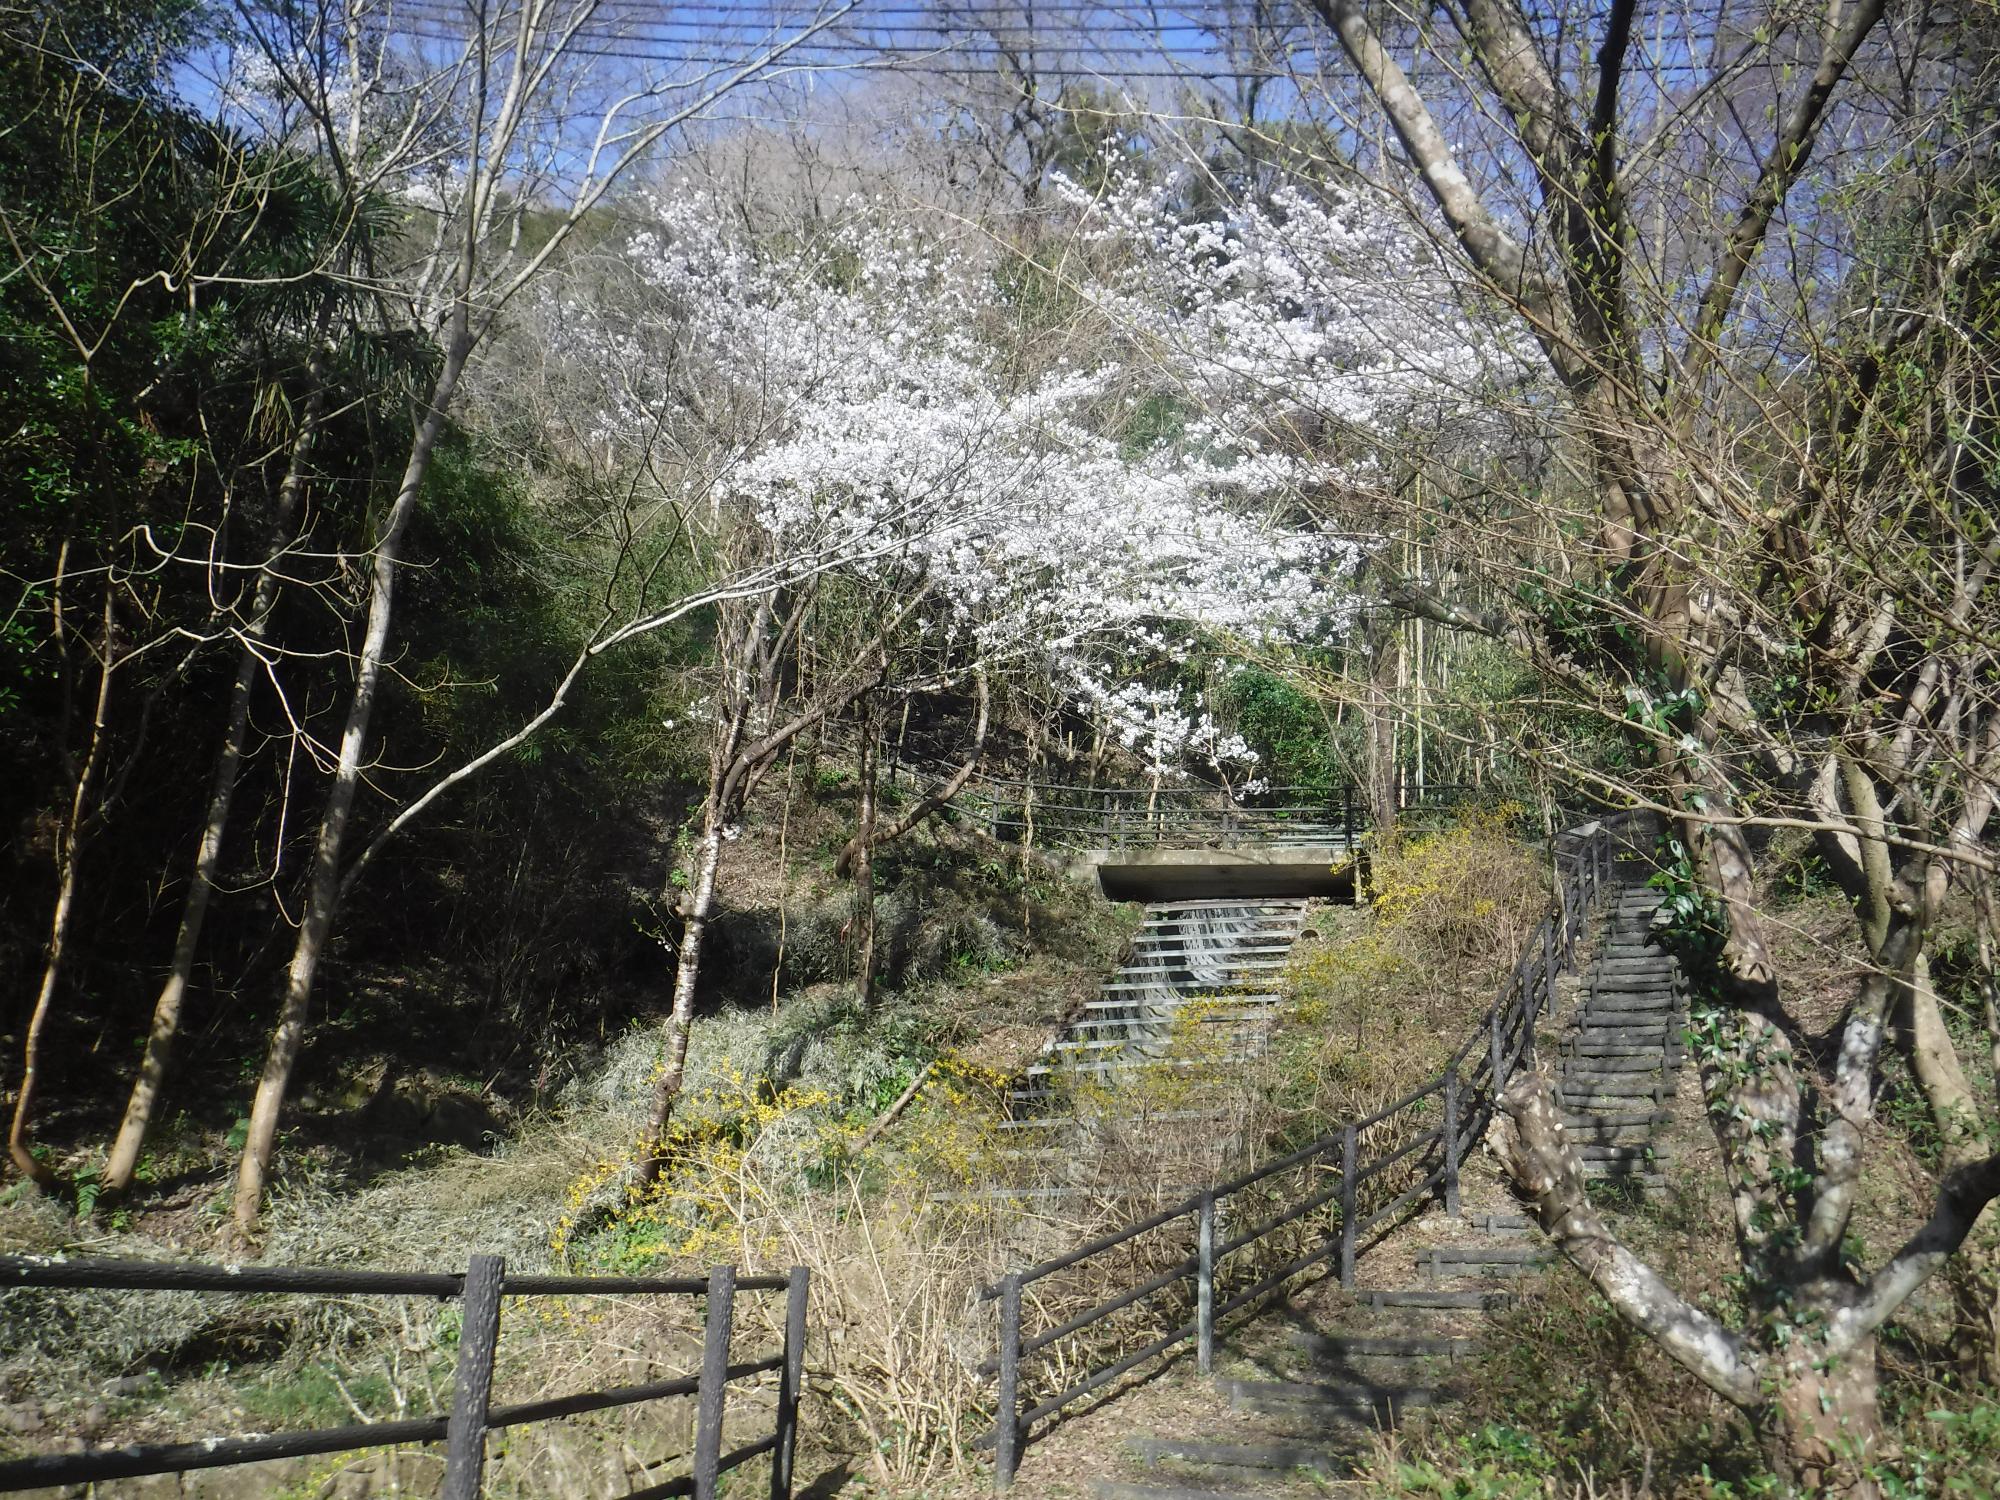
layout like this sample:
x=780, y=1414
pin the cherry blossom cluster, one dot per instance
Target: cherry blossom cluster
x=874, y=400
x=1328, y=305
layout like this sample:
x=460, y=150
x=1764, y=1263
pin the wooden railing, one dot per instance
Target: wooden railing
x=1222, y=1250
x=478, y=1289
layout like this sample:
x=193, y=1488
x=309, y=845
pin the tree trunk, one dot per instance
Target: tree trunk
x=1382, y=669
x=1818, y=1408
x=69, y=848
x=864, y=858
x=937, y=796
x=734, y=772
x=696, y=910
x=1827, y=1423
x=1956, y=1115
x=139, y=1109
x=323, y=894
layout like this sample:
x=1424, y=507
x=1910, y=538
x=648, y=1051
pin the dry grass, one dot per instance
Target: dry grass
x=1384, y=994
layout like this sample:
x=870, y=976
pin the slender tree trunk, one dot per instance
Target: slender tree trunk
x=734, y=772
x=937, y=796
x=139, y=1109
x=69, y=849
x=697, y=910
x=1957, y=1116
x=864, y=858
x=1381, y=723
x=323, y=893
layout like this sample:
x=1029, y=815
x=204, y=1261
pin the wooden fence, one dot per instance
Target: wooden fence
x=478, y=1290
x=1233, y=1254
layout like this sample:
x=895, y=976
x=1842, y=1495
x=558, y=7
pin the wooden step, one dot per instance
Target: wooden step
x=1620, y=987
x=1430, y=1297
x=1165, y=1024
x=1616, y=1172
x=1633, y=993
x=1598, y=1015
x=1151, y=1450
x=1103, y=1068
x=1573, y=1118
x=1273, y=906
x=1603, y=1081
x=1601, y=1103
x=1357, y=1402
x=1222, y=964
x=1646, y=1032
x=1218, y=947
x=1234, y=990
x=1492, y=1223
x=1440, y=1263
x=1366, y=1346
x=1591, y=1064
x=1487, y=1255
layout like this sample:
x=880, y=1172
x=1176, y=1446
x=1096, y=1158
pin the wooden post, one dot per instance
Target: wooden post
x=472, y=1383
x=1347, y=1154
x=1451, y=1128
x=791, y=1377
x=1204, y=1287
x=1006, y=1427
x=1548, y=995
x=711, y=1397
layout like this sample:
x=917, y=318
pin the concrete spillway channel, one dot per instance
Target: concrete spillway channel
x=1199, y=993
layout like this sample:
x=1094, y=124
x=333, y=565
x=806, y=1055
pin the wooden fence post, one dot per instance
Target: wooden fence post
x=472, y=1383
x=1496, y=1047
x=791, y=1376
x=1347, y=1155
x=1006, y=1426
x=711, y=1396
x=1548, y=986
x=1204, y=1286
x=1451, y=1128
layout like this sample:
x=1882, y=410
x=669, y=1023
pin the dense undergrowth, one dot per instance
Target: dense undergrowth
x=1392, y=988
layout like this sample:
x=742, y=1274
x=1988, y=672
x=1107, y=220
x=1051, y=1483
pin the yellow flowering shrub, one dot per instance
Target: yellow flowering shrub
x=1376, y=1009
x=703, y=1203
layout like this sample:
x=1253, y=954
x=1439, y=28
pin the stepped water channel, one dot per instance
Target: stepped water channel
x=1207, y=963
x=1198, y=995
